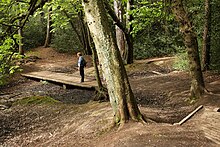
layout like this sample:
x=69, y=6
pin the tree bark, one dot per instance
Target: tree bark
x=119, y=33
x=49, y=34
x=121, y=96
x=190, y=41
x=206, y=38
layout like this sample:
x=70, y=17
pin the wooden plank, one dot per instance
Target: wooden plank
x=209, y=123
x=62, y=78
x=189, y=116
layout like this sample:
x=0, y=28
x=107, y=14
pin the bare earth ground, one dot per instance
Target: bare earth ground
x=72, y=119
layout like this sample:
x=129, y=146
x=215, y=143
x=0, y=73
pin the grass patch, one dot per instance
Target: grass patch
x=36, y=100
x=181, y=62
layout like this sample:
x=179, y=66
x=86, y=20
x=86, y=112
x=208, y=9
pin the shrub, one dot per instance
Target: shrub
x=7, y=60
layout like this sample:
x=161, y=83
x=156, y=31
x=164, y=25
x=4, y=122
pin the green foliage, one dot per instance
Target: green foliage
x=36, y=100
x=196, y=10
x=10, y=14
x=64, y=37
x=59, y=7
x=155, y=31
x=215, y=35
x=64, y=40
x=145, y=14
x=34, y=32
x=7, y=60
x=181, y=62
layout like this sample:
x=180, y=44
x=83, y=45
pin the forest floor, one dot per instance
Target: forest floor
x=36, y=113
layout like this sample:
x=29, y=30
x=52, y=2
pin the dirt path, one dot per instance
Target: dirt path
x=74, y=120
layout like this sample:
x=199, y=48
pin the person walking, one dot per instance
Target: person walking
x=81, y=65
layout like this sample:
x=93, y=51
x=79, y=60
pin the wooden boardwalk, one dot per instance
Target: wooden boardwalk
x=210, y=124
x=64, y=79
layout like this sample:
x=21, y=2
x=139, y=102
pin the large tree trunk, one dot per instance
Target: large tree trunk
x=49, y=34
x=206, y=38
x=190, y=40
x=119, y=33
x=121, y=96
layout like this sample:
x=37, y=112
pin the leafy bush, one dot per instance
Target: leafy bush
x=157, y=47
x=7, y=60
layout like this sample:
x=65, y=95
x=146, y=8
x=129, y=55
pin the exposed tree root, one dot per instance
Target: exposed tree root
x=101, y=95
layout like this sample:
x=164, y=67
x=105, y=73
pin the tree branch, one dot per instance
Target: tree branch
x=32, y=8
x=9, y=25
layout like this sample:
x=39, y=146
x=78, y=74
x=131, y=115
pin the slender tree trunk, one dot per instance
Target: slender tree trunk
x=128, y=55
x=119, y=33
x=190, y=40
x=101, y=91
x=20, y=46
x=206, y=38
x=85, y=34
x=74, y=28
x=121, y=96
x=83, y=37
x=130, y=52
x=49, y=34
x=97, y=75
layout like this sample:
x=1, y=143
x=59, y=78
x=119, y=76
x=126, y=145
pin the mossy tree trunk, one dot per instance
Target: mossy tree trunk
x=121, y=96
x=190, y=41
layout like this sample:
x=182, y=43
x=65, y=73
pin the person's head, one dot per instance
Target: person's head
x=79, y=54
